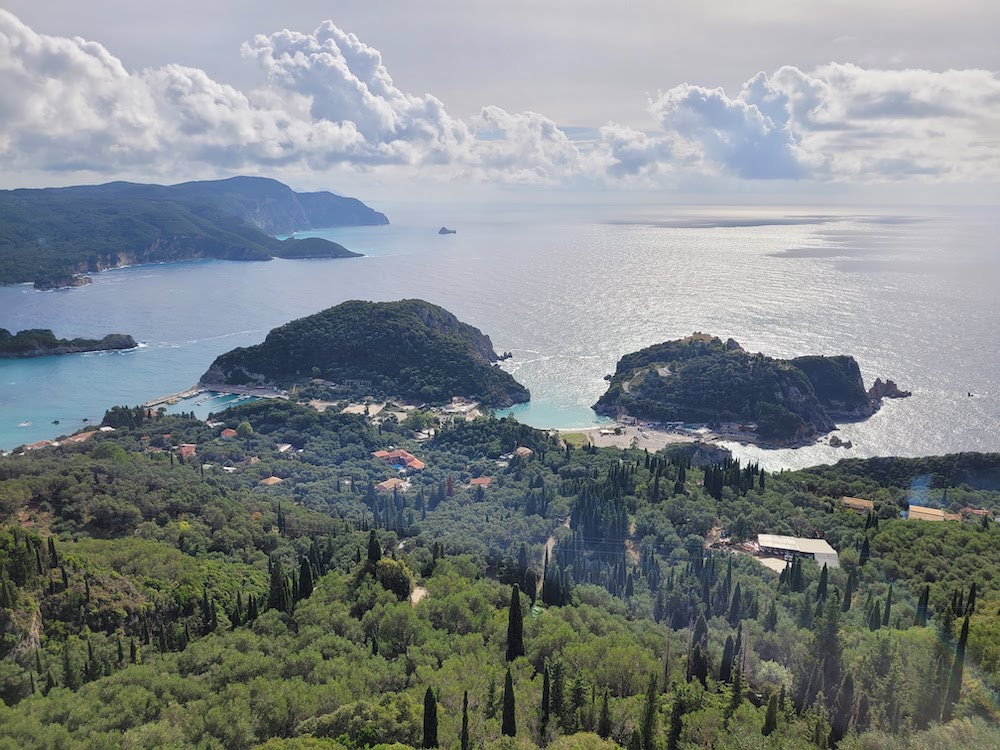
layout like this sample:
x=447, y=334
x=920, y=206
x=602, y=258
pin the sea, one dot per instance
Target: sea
x=912, y=294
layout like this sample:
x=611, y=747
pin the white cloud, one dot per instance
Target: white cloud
x=69, y=105
x=844, y=122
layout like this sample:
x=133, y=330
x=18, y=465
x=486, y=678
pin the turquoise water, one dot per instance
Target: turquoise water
x=912, y=297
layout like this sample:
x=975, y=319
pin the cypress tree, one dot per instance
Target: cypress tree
x=430, y=719
x=955, y=679
x=970, y=606
x=71, y=677
x=888, y=608
x=736, y=697
x=634, y=740
x=677, y=711
x=465, y=722
x=545, y=697
x=604, y=722
x=508, y=723
x=305, y=579
x=374, y=548
x=277, y=595
x=875, y=619
x=865, y=552
x=726, y=667
x=515, y=626
x=848, y=594
x=133, y=651
x=771, y=717
x=821, y=589
x=735, y=609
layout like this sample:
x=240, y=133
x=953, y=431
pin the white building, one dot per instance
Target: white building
x=793, y=546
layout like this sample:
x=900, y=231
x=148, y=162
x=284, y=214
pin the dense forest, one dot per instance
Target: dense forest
x=409, y=349
x=47, y=236
x=702, y=379
x=160, y=587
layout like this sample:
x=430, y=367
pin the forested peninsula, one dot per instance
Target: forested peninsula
x=703, y=379
x=41, y=342
x=51, y=236
x=409, y=349
x=265, y=580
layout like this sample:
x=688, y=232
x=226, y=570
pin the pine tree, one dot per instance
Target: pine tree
x=464, y=742
x=515, y=626
x=509, y=723
x=430, y=719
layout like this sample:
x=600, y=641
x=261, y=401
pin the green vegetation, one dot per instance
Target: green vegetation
x=48, y=236
x=313, y=247
x=702, y=379
x=40, y=342
x=409, y=349
x=150, y=601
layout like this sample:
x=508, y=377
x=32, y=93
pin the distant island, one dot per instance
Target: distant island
x=41, y=342
x=410, y=349
x=445, y=230
x=49, y=237
x=702, y=379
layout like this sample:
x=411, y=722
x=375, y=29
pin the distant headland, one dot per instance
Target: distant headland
x=737, y=394
x=51, y=237
x=41, y=342
x=409, y=349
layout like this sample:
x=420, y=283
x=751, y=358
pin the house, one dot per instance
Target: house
x=271, y=481
x=283, y=447
x=400, y=458
x=187, y=450
x=228, y=434
x=858, y=505
x=923, y=513
x=480, y=482
x=391, y=484
x=793, y=546
x=523, y=452
x=975, y=514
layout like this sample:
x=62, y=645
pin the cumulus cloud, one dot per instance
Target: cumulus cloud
x=842, y=121
x=67, y=104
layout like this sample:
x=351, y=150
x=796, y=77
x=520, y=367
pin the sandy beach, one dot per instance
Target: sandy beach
x=653, y=440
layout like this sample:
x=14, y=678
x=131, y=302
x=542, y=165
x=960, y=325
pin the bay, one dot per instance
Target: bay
x=911, y=294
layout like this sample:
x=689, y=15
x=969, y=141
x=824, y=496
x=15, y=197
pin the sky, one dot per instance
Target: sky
x=849, y=100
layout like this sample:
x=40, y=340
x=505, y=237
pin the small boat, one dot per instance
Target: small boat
x=55, y=421
x=25, y=424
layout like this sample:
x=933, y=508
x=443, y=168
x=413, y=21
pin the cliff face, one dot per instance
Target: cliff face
x=411, y=349
x=702, y=379
x=838, y=385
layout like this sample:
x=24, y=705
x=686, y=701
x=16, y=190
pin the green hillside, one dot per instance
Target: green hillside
x=411, y=349
x=703, y=379
x=154, y=601
x=47, y=236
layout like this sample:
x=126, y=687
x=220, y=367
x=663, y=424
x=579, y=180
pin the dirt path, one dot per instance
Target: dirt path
x=418, y=593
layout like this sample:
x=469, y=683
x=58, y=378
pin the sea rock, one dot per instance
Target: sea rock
x=888, y=389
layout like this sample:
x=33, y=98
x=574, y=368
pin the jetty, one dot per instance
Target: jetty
x=173, y=398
